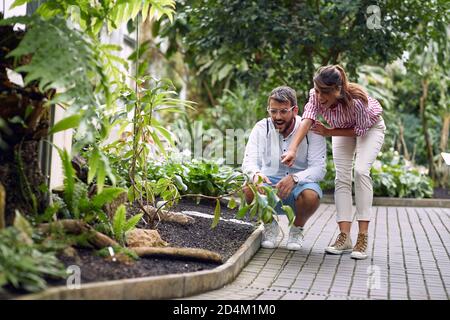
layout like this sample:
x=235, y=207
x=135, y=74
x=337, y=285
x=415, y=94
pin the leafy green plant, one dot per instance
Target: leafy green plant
x=120, y=224
x=264, y=205
x=74, y=69
x=22, y=263
x=149, y=138
x=118, y=250
x=90, y=16
x=199, y=176
x=77, y=203
x=396, y=181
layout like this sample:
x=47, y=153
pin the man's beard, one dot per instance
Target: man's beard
x=282, y=126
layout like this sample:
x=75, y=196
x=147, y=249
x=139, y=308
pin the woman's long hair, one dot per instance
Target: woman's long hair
x=333, y=77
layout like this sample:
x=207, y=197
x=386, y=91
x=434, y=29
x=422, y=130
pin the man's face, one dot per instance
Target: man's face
x=282, y=114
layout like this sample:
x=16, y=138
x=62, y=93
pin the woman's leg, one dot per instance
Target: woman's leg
x=343, y=153
x=367, y=149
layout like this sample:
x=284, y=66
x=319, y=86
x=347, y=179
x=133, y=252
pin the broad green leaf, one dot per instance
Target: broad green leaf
x=225, y=71
x=18, y=3
x=69, y=181
x=216, y=214
x=158, y=143
x=106, y=196
x=101, y=175
x=290, y=213
x=253, y=210
x=132, y=222
x=66, y=123
x=93, y=165
x=179, y=182
x=242, y=212
x=119, y=221
x=232, y=203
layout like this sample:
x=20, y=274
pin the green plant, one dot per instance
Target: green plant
x=82, y=69
x=396, y=181
x=328, y=181
x=149, y=138
x=77, y=204
x=198, y=176
x=118, y=250
x=230, y=44
x=228, y=124
x=25, y=264
x=263, y=204
x=120, y=224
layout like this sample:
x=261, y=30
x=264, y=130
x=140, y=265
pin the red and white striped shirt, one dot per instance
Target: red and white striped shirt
x=361, y=117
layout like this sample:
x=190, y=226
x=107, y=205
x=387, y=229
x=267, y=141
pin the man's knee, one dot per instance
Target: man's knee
x=309, y=199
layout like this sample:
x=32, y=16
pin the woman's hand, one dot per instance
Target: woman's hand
x=288, y=158
x=319, y=128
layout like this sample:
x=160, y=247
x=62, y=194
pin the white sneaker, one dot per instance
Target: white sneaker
x=270, y=234
x=295, y=240
x=360, y=250
x=343, y=244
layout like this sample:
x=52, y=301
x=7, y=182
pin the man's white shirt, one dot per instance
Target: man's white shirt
x=265, y=147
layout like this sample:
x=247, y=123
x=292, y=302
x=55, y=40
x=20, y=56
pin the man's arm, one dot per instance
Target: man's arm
x=317, y=151
x=254, y=149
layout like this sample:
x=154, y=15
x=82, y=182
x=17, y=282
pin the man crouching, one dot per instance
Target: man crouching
x=297, y=185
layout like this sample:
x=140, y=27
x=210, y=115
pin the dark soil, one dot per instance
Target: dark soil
x=225, y=239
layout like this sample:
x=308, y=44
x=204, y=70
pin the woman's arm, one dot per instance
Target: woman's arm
x=343, y=132
x=288, y=157
x=319, y=128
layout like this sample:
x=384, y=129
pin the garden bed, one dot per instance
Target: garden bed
x=225, y=239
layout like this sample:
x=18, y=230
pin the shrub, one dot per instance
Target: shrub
x=23, y=265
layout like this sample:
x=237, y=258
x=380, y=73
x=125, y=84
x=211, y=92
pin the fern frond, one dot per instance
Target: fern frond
x=119, y=222
x=106, y=196
x=132, y=222
x=69, y=180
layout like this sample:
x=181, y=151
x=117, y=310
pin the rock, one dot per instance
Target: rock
x=72, y=254
x=168, y=216
x=144, y=238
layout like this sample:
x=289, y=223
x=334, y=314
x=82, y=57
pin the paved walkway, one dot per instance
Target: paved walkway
x=408, y=259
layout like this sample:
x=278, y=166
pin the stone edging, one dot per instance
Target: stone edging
x=399, y=202
x=160, y=287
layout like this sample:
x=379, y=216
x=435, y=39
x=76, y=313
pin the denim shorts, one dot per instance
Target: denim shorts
x=299, y=188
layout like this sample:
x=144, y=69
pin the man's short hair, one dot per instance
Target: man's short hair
x=283, y=94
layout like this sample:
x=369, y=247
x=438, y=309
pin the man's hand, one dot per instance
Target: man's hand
x=288, y=158
x=285, y=186
x=319, y=128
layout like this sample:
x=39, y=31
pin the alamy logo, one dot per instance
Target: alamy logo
x=374, y=20
x=74, y=280
x=373, y=279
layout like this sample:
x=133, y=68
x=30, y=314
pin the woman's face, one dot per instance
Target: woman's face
x=327, y=99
